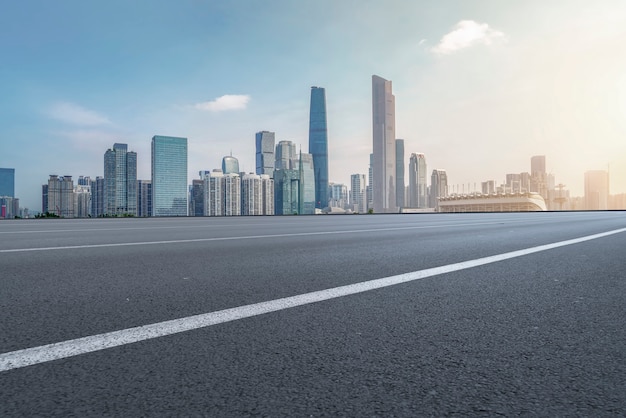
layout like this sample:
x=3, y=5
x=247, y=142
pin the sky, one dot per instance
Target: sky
x=481, y=85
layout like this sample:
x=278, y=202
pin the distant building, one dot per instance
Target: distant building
x=169, y=176
x=9, y=207
x=438, y=187
x=232, y=194
x=384, y=147
x=197, y=201
x=7, y=182
x=60, y=196
x=214, y=193
x=230, y=165
x=400, y=185
x=538, y=175
x=286, y=157
x=307, y=202
x=358, y=202
x=512, y=202
x=370, y=180
x=120, y=181
x=144, y=198
x=97, y=196
x=265, y=147
x=596, y=190
x=82, y=201
x=418, y=197
x=252, y=195
x=338, y=196
x=318, y=146
x=286, y=191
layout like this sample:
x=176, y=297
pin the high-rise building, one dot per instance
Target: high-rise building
x=400, y=173
x=144, y=198
x=9, y=207
x=488, y=187
x=286, y=191
x=268, y=194
x=169, y=176
x=232, y=194
x=358, y=201
x=60, y=196
x=596, y=190
x=197, y=201
x=265, y=147
x=418, y=197
x=286, y=158
x=97, y=196
x=308, y=181
x=82, y=201
x=120, y=181
x=252, y=195
x=7, y=182
x=384, y=145
x=84, y=181
x=214, y=193
x=338, y=196
x=230, y=165
x=538, y=175
x=438, y=187
x=44, y=198
x=370, y=180
x=514, y=183
x=318, y=144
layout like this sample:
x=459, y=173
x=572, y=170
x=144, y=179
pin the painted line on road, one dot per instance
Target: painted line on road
x=295, y=234
x=56, y=351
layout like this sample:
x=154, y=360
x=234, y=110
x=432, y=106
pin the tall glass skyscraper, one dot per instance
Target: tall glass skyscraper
x=384, y=145
x=286, y=158
x=318, y=144
x=230, y=165
x=399, y=173
x=120, y=181
x=265, y=143
x=417, y=181
x=169, y=176
x=307, y=185
x=7, y=182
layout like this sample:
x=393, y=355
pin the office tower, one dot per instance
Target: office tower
x=525, y=182
x=265, y=147
x=514, y=183
x=169, y=176
x=358, y=201
x=214, y=193
x=370, y=180
x=318, y=144
x=384, y=145
x=9, y=207
x=418, y=197
x=230, y=165
x=82, y=201
x=44, y=198
x=144, y=198
x=232, y=194
x=488, y=187
x=338, y=195
x=596, y=190
x=438, y=187
x=286, y=158
x=538, y=175
x=120, y=181
x=61, y=196
x=197, y=200
x=7, y=182
x=84, y=181
x=286, y=191
x=307, y=185
x=400, y=173
x=97, y=196
x=252, y=195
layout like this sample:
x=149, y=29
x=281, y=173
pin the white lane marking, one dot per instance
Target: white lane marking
x=295, y=234
x=50, y=352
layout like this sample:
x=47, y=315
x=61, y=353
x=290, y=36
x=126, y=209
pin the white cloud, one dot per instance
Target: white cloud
x=465, y=34
x=226, y=102
x=76, y=115
x=91, y=140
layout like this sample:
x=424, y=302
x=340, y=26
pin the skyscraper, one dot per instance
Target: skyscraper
x=286, y=191
x=384, y=147
x=417, y=181
x=7, y=182
x=169, y=176
x=214, y=193
x=265, y=147
x=318, y=144
x=144, y=198
x=307, y=199
x=232, y=194
x=60, y=196
x=252, y=194
x=358, y=200
x=399, y=173
x=370, y=181
x=596, y=190
x=230, y=165
x=438, y=187
x=286, y=158
x=538, y=175
x=120, y=181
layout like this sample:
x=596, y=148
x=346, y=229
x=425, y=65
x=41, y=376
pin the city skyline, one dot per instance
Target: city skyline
x=471, y=78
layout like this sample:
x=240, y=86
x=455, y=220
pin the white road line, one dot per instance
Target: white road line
x=296, y=234
x=50, y=352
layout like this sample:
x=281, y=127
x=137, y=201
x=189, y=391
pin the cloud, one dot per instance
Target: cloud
x=226, y=102
x=465, y=34
x=91, y=140
x=76, y=115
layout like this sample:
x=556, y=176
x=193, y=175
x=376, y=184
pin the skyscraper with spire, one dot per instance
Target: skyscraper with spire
x=318, y=144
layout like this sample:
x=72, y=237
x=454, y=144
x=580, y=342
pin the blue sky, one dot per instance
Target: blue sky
x=480, y=86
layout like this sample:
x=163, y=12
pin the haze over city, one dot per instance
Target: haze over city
x=480, y=87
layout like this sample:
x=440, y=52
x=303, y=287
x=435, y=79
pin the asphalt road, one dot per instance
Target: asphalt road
x=542, y=333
